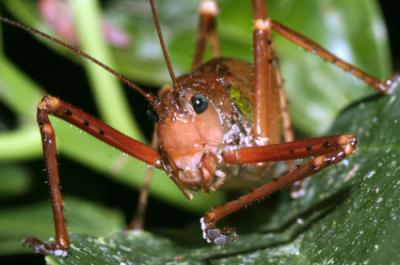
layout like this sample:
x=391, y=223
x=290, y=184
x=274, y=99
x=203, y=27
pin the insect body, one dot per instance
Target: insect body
x=222, y=120
x=208, y=122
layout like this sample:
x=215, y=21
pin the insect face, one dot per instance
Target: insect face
x=190, y=136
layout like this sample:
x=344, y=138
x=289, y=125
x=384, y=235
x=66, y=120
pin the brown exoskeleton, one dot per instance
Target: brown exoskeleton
x=223, y=120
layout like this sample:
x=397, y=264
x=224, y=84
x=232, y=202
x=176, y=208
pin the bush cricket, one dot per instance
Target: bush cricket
x=226, y=119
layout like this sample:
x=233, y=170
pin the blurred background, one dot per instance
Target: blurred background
x=66, y=79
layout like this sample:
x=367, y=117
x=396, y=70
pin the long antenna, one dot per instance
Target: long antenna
x=164, y=49
x=151, y=98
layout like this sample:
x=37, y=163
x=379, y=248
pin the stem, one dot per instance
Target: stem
x=108, y=93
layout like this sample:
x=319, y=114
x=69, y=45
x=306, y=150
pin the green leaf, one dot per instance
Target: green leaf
x=14, y=180
x=349, y=215
x=354, y=30
x=36, y=220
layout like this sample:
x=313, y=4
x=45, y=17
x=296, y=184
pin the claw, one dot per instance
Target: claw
x=221, y=240
x=391, y=83
x=217, y=236
x=43, y=248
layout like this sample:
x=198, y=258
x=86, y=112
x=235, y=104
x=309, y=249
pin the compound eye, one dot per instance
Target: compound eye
x=151, y=114
x=199, y=103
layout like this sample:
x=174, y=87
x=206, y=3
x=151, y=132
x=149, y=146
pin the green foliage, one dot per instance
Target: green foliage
x=83, y=217
x=15, y=180
x=349, y=212
x=354, y=30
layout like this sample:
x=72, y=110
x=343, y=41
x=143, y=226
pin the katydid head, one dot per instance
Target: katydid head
x=190, y=135
x=189, y=129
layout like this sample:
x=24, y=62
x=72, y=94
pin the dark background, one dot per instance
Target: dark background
x=389, y=9
x=68, y=75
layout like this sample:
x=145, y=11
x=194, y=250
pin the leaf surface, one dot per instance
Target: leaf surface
x=35, y=219
x=349, y=215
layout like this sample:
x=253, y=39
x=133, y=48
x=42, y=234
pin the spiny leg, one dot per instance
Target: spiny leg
x=328, y=150
x=53, y=106
x=138, y=220
x=287, y=128
x=297, y=189
x=286, y=120
x=288, y=133
x=385, y=86
x=207, y=29
x=61, y=243
x=266, y=109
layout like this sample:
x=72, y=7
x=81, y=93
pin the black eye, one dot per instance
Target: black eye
x=199, y=103
x=151, y=114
